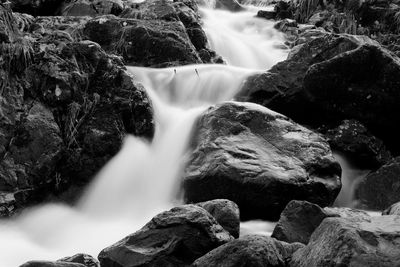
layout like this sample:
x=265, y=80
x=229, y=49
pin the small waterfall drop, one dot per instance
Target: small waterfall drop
x=141, y=180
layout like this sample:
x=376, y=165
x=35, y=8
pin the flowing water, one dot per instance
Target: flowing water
x=142, y=179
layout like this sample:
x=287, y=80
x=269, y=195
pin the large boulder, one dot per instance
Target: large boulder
x=144, y=42
x=299, y=219
x=173, y=238
x=251, y=250
x=332, y=78
x=381, y=188
x=260, y=160
x=346, y=242
x=357, y=143
x=226, y=213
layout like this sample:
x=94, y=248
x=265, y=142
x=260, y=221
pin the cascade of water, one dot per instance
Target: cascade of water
x=142, y=179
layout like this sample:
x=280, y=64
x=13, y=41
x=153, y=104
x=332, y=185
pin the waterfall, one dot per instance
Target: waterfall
x=142, y=179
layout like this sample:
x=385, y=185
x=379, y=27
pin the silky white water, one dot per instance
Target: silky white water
x=142, y=179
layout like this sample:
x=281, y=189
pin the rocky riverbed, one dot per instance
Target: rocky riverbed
x=68, y=98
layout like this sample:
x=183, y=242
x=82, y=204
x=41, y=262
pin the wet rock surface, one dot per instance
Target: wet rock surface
x=67, y=105
x=354, y=140
x=299, y=220
x=251, y=250
x=226, y=213
x=332, y=78
x=381, y=188
x=260, y=160
x=345, y=242
x=172, y=238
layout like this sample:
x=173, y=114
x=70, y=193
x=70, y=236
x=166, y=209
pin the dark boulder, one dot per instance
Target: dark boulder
x=260, y=160
x=173, y=238
x=345, y=242
x=299, y=219
x=144, y=42
x=251, y=250
x=226, y=213
x=381, y=188
x=333, y=78
x=356, y=142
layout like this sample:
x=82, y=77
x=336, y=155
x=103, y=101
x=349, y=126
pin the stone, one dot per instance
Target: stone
x=226, y=213
x=345, y=242
x=381, y=188
x=173, y=238
x=392, y=210
x=258, y=159
x=251, y=250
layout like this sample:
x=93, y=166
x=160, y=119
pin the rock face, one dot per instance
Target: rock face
x=299, y=219
x=392, y=210
x=380, y=189
x=66, y=106
x=252, y=250
x=332, y=78
x=225, y=212
x=353, y=139
x=172, y=238
x=345, y=242
x=260, y=160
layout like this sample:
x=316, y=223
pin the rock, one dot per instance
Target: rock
x=92, y=7
x=260, y=160
x=330, y=79
x=144, y=42
x=345, y=242
x=353, y=139
x=173, y=238
x=66, y=106
x=381, y=188
x=37, y=7
x=231, y=5
x=251, y=250
x=392, y=210
x=225, y=212
x=299, y=219
x=51, y=264
x=266, y=14
x=32, y=154
x=84, y=259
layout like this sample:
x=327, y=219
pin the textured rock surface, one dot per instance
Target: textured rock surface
x=353, y=139
x=84, y=259
x=260, y=160
x=226, y=213
x=252, y=250
x=51, y=264
x=65, y=105
x=345, y=242
x=299, y=219
x=332, y=78
x=172, y=238
x=381, y=188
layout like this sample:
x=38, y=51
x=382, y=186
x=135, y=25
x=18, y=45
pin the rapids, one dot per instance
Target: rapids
x=142, y=179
